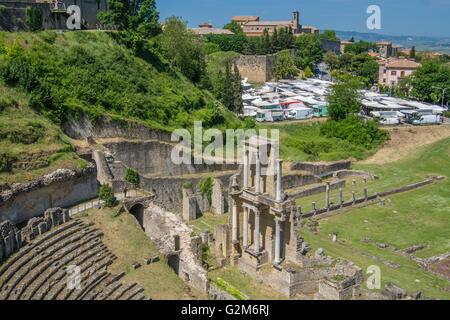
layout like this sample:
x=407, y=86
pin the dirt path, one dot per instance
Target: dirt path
x=405, y=140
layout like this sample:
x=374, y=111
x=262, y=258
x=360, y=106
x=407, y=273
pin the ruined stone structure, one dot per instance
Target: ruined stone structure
x=42, y=256
x=62, y=188
x=264, y=230
x=54, y=13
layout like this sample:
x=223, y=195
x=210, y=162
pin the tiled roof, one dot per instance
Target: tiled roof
x=205, y=31
x=245, y=18
x=268, y=23
x=402, y=63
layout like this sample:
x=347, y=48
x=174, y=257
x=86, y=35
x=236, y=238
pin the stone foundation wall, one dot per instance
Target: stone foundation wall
x=320, y=168
x=106, y=127
x=12, y=239
x=258, y=69
x=62, y=188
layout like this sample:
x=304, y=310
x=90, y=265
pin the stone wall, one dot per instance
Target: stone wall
x=62, y=188
x=321, y=168
x=13, y=17
x=82, y=128
x=330, y=45
x=258, y=69
x=12, y=239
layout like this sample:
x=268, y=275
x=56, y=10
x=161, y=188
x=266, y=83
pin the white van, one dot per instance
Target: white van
x=299, y=113
x=269, y=115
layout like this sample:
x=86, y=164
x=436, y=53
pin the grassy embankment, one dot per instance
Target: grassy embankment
x=412, y=218
x=30, y=145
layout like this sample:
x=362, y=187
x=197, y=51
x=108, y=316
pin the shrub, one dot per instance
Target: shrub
x=106, y=194
x=352, y=129
x=7, y=102
x=6, y=162
x=447, y=114
x=132, y=176
x=206, y=187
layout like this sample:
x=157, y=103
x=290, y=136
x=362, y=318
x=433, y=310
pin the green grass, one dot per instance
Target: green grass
x=128, y=242
x=209, y=221
x=299, y=140
x=416, y=217
x=27, y=137
x=245, y=284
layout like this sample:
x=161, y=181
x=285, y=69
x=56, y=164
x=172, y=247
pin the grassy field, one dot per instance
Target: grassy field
x=31, y=140
x=416, y=217
x=129, y=243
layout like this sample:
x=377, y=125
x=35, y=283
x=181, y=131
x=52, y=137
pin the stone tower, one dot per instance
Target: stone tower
x=296, y=27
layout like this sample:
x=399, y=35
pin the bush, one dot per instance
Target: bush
x=447, y=114
x=352, y=129
x=7, y=102
x=206, y=187
x=6, y=162
x=106, y=194
x=132, y=176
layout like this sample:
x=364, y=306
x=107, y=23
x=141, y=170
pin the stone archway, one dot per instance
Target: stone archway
x=137, y=211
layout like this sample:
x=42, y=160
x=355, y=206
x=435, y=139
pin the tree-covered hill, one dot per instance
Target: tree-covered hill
x=101, y=73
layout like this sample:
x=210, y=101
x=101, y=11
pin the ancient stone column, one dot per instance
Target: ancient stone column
x=257, y=235
x=258, y=173
x=245, y=169
x=341, y=196
x=278, y=172
x=327, y=195
x=314, y=208
x=353, y=197
x=277, y=258
x=234, y=218
x=245, y=228
x=365, y=194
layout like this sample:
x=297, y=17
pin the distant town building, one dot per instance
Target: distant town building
x=254, y=27
x=387, y=49
x=393, y=70
x=310, y=29
x=241, y=20
x=206, y=28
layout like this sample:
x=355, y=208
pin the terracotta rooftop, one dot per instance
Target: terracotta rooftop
x=268, y=23
x=245, y=18
x=402, y=63
x=205, y=31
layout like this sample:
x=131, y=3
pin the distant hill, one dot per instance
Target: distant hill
x=421, y=43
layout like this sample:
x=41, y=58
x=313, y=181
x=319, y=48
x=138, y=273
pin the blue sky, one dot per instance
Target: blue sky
x=399, y=17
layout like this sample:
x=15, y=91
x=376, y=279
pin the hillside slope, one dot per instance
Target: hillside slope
x=104, y=73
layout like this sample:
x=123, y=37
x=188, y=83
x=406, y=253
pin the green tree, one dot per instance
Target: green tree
x=331, y=59
x=106, y=194
x=184, y=49
x=412, y=53
x=132, y=176
x=284, y=66
x=360, y=47
x=308, y=72
x=138, y=15
x=265, y=42
x=34, y=18
x=329, y=35
x=344, y=100
x=309, y=50
x=234, y=27
x=427, y=82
